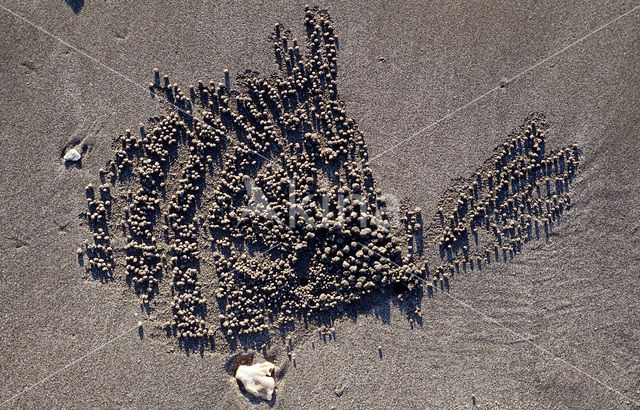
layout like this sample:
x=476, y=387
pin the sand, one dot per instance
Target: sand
x=402, y=68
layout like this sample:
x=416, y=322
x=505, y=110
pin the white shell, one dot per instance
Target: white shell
x=258, y=379
x=72, y=155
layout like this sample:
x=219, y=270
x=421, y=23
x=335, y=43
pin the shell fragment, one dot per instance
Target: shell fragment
x=258, y=379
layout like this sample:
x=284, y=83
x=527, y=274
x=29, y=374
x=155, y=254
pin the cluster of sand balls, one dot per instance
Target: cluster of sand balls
x=335, y=246
x=413, y=226
x=269, y=184
x=189, y=303
x=144, y=260
x=506, y=203
x=100, y=252
x=273, y=186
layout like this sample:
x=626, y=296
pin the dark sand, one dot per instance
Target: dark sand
x=575, y=296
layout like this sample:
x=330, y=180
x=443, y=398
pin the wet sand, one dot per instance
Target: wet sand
x=575, y=297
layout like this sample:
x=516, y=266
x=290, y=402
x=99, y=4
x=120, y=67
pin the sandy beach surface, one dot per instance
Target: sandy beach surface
x=557, y=327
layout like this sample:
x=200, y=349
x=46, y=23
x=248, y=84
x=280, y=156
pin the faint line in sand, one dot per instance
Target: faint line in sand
x=113, y=70
x=480, y=97
x=66, y=366
x=521, y=338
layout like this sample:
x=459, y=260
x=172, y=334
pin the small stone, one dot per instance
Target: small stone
x=72, y=155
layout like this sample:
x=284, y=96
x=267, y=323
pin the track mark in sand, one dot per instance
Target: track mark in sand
x=29, y=66
x=19, y=242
